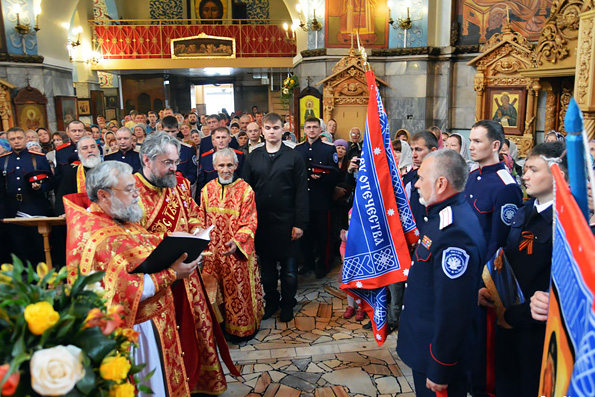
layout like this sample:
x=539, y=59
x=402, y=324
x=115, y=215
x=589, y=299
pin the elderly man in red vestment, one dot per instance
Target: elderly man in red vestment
x=168, y=207
x=103, y=236
x=228, y=204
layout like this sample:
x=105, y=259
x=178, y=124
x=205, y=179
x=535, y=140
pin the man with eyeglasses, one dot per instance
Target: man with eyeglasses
x=355, y=143
x=126, y=152
x=187, y=166
x=167, y=206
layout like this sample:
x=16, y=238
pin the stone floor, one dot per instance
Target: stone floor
x=319, y=353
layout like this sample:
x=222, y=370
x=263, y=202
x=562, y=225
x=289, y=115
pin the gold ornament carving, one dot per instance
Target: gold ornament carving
x=561, y=27
x=524, y=143
x=550, y=111
x=564, y=101
x=507, y=35
x=509, y=81
x=584, y=62
x=351, y=101
x=589, y=124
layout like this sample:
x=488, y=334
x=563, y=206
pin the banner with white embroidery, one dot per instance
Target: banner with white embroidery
x=382, y=226
x=567, y=367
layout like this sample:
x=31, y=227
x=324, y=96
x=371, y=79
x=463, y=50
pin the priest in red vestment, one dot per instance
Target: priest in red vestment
x=228, y=203
x=167, y=207
x=103, y=236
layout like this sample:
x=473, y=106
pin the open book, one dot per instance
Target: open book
x=172, y=247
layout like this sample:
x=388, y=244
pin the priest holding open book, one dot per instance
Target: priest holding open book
x=168, y=207
x=104, y=235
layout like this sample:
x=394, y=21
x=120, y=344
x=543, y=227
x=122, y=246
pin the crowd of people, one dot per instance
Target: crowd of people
x=281, y=208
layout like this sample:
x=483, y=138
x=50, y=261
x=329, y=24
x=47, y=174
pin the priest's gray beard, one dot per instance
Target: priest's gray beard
x=133, y=213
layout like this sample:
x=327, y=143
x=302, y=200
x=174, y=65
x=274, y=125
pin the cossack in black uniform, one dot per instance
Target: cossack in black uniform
x=519, y=350
x=441, y=295
x=321, y=159
x=19, y=171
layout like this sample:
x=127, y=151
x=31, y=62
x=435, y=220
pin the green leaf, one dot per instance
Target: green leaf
x=95, y=344
x=19, y=347
x=65, y=325
x=145, y=389
x=87, y=384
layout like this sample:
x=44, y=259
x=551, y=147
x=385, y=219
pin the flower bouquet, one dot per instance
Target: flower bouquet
x=58, y=339
x=287, y=89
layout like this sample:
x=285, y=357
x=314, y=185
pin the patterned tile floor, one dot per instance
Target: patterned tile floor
x=319, y=353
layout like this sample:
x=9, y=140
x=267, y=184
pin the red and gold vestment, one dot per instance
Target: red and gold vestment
x=167, y=210
x=232, y=210
x=96, y=242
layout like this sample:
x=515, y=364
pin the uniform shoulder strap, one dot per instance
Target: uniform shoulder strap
x=445, y=217
x=506, y=177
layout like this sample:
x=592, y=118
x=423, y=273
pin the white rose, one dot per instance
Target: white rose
x=95, y=287
x=56, y=371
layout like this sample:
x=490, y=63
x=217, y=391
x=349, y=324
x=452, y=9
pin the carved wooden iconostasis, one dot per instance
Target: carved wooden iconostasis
x=503, y=94
x=560, y=65
x=345, y=95
x=6, y=113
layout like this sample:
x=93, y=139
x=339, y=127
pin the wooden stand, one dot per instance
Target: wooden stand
x=44, y=227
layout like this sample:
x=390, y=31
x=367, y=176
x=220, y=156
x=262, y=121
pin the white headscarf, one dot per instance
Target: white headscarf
x=513, y=150
x=406, y=160
x=464, y=146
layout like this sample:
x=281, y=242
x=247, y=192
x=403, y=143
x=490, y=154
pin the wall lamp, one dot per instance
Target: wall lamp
x=312, y=25
x=404, y=24
x=24, y=29
x=290, y=35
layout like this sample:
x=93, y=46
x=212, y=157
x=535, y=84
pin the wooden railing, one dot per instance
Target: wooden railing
x=132, y=39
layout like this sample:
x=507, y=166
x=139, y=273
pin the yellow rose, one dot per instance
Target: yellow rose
x=40, y=316
x=114, y=368
x=42, y=270
x=6, y=268
x=123, y=390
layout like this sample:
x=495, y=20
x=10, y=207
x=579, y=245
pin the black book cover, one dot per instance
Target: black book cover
x=171, y=248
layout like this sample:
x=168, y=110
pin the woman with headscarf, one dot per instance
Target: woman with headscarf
x=403, y=135
x=509, y=154
x=555, y=136
x=341, y=196
x=460, y=144
x=403, y=155
x=438, y=133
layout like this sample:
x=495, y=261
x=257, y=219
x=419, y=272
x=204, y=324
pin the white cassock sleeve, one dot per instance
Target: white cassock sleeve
x=148, y=350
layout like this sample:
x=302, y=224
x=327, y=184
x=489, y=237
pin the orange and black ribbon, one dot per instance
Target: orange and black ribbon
x=527, y=242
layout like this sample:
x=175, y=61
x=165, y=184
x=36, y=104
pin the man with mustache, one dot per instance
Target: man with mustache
x=167, y=207
x=103, y=235
x=74, y=177
x=228, y=202
x=435, y=328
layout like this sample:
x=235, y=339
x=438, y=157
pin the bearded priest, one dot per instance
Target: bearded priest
x=103, y=235
x=167, y=207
